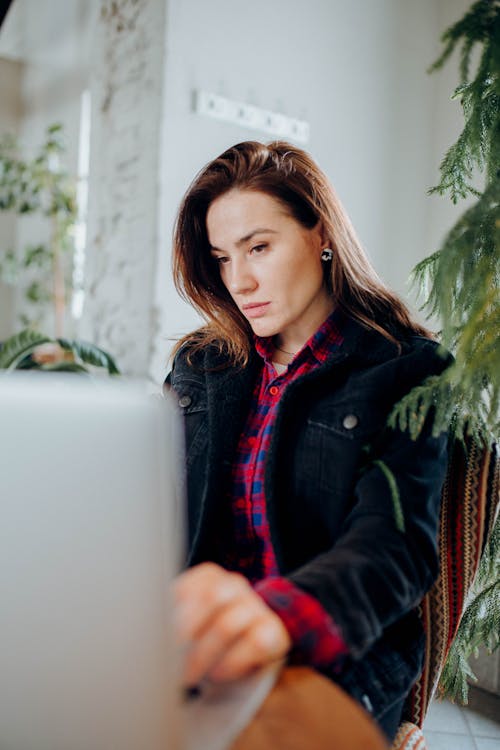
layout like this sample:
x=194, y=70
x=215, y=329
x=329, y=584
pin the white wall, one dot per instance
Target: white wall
x=357, y=73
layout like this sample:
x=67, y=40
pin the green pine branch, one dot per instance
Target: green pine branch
x=477, y=145
x=460, y=285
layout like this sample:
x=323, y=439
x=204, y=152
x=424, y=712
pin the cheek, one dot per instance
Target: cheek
x=305, y=273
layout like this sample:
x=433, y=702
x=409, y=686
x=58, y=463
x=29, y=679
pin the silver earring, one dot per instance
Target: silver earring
x=327, y=254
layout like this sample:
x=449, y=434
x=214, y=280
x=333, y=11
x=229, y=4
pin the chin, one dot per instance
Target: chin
x=264, y=330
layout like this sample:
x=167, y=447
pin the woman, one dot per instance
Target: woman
x=312, y=526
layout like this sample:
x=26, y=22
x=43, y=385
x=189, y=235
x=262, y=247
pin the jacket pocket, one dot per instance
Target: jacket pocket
x=351, y=420
x=337, y=443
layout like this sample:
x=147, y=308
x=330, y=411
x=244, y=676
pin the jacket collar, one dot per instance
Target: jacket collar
x=365, y=344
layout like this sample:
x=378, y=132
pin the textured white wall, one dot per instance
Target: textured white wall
x=127, y=96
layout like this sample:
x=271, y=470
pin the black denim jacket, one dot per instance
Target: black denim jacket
x=330, y=508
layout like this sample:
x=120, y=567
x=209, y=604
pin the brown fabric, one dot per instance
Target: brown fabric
x=306, y=711
x=469, y=506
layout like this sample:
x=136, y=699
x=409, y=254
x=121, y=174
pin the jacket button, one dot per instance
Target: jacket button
x=184, y=401
x=350, y=421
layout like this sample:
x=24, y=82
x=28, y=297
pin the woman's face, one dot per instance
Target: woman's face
x=270, y=264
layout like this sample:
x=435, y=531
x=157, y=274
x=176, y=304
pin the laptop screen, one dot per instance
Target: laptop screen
x=90, y=535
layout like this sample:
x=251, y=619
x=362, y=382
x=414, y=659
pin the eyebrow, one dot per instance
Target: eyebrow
x=247, y=237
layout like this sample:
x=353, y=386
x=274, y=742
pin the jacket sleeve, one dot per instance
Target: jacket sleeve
x=376, y=572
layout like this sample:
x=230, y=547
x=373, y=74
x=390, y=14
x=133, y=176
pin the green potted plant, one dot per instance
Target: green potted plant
x=41, y=186
x=30, y=350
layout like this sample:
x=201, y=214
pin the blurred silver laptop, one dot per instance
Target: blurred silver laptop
x=91, y=531
x=89, y=538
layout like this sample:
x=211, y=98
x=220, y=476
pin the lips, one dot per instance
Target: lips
x=255, y=309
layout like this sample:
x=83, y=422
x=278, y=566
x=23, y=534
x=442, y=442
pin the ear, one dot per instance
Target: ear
x=322, y=234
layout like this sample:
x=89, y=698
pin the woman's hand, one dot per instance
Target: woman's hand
x=227, y=629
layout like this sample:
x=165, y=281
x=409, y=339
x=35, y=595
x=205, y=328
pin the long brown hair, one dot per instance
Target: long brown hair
x=290, y=175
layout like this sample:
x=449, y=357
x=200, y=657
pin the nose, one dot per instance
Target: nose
x=239, y=277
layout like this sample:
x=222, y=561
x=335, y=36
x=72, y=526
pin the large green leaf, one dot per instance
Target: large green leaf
x=90, y=354
x=17, y=347
x=64, y=367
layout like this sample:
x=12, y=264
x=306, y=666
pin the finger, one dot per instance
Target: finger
x=199, y=573
x=221, y=633
x=265, y=641
x=199, y=598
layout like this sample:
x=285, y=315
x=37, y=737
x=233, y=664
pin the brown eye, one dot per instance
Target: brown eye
x=258, y=248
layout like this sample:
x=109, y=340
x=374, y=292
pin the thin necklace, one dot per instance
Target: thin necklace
x=290, y=354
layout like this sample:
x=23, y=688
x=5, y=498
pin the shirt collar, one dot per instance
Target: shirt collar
x=327, y=338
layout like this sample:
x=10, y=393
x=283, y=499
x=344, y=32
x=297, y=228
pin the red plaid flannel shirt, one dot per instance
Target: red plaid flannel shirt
x=316, y=638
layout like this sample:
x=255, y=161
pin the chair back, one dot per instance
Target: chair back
x=470, y=500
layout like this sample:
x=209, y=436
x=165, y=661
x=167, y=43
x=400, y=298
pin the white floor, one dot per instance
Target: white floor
x=473, y=727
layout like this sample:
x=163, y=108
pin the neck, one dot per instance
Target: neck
x=282, y=357
x=292, y=340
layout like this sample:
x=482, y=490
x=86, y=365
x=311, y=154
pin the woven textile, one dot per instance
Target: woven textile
x=409, y=737
x=469, y=506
